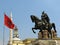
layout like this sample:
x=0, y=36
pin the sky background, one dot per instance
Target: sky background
x=21, y=11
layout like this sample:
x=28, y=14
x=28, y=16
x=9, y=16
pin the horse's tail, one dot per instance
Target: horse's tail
x=53, y=24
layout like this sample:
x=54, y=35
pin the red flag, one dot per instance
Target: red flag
x=8, y=22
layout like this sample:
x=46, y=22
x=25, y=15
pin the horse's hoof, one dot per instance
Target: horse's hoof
x=34, y=32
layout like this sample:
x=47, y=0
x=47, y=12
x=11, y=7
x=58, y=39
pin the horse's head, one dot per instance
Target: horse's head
x=34, y=18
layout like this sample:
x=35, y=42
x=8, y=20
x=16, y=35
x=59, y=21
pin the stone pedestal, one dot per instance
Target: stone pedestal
x=46, y=42
x=39, y=35
x=45, y=34
x=54, y=35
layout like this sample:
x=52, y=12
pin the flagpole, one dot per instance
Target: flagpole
x=10, y=38
x=3, y=34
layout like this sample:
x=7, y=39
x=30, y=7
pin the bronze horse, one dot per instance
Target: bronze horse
x=41, y=25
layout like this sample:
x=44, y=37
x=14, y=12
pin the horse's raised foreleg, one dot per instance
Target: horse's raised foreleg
x=33, y=30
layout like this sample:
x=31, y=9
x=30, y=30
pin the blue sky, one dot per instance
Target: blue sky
x=21, y=11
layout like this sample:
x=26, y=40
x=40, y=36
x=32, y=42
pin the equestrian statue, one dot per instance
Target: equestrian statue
x=43, y=23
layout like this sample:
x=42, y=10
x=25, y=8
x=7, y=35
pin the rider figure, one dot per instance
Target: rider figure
x=45, y=17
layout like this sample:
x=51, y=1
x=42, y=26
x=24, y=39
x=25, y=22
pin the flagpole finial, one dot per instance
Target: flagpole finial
x=11, y=15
